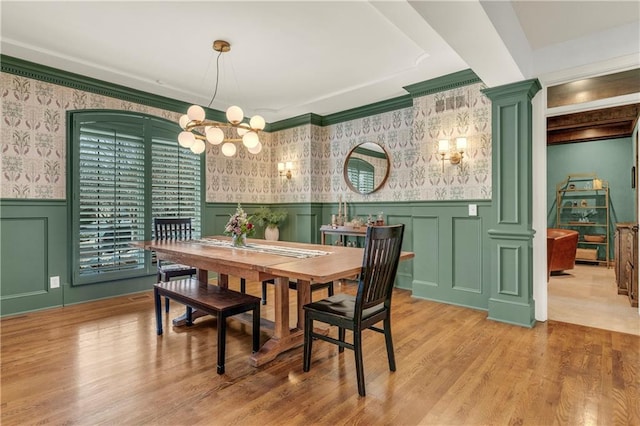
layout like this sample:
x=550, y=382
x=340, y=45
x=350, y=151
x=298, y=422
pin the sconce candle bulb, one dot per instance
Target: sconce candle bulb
x=284, y=169
x=455, y=155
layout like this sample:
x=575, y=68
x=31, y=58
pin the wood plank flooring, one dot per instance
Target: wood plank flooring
x=102, y=363
x=588, y=295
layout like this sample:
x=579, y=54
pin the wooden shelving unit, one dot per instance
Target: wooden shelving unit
x=582, y=202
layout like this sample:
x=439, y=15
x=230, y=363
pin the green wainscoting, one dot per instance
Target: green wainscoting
x=452, y=260
x=34, y=247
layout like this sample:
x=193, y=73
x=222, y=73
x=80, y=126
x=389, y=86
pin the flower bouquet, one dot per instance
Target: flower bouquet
x=239, y=227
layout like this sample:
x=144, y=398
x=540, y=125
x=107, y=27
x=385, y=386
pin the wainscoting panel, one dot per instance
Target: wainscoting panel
x=31, y=253
x=24, y=266
x=509, y=160
x=509, y=268
x=404, y=277
x=426, y=243
x=467, y=254
x=452, y=263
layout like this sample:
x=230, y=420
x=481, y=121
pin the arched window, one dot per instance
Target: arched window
x=125, y=168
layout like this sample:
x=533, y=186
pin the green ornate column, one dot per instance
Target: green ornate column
x=511, y=231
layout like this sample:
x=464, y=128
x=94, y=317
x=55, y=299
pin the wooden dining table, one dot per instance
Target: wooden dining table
x=262, y=260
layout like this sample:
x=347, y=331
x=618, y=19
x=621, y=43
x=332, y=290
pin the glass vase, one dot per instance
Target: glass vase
x=239, y=240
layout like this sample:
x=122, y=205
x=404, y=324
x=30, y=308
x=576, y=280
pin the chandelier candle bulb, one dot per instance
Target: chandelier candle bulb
x=215, y=135
x=229, y=149
x=198, y=147
x=186, y=139
x=256, y=149
x=195, y=113
x=235, y=114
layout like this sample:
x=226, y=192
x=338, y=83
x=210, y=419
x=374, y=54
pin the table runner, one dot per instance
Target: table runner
x=298, y=253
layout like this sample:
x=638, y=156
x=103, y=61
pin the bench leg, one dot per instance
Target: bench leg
x=222, y=337
x=158, y=302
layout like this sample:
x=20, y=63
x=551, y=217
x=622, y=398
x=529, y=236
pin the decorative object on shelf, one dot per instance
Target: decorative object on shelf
x=586, y=254
x=271, y=220
x=356, y=222
x=597, y=183
x=583, y=216
x=342, y=212
x=197, y=129
x=582, y=202
x=455, y=154
x=284, y=170
x=239, y=227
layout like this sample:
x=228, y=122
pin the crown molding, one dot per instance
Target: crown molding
x=400, y=102
x=440, y=84
x=59, y=77
x=299, y=120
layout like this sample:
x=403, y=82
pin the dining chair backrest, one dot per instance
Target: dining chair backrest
x=382, y=249
x=172, y=228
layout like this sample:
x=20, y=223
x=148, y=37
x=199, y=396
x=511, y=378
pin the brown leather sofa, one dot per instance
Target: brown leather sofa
x=561, y=249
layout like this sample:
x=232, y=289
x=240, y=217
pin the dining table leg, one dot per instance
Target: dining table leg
x=304, y=297
x=284, y=338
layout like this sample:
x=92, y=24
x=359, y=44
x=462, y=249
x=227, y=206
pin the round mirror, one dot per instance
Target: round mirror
x=366, y=168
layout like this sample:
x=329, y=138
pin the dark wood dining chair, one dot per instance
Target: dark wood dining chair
x=369, y=306
x=172, y=229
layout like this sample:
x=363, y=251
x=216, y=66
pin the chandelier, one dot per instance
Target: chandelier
x=197, y=129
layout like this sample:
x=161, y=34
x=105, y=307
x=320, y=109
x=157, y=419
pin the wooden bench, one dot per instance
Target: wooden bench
x=217, y=301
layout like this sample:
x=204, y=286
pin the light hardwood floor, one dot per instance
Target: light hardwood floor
x=588, y=295
x=102, y=363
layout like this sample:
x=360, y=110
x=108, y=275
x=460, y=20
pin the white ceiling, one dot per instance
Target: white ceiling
x=295, y=57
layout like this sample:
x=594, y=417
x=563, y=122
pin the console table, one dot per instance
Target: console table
x=342, y=231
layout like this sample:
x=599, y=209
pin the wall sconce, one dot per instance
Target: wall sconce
x=284, y=169
x=455, y=155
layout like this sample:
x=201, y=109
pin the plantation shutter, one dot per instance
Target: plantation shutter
x=125, y=168
x=361, y=173
x=110, y=198
x=176, y=181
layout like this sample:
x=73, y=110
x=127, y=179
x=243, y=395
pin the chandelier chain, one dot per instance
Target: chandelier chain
x=215, y=92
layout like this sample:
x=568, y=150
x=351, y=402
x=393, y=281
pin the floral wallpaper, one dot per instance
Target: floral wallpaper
x=33, y=149
x=410, y=136
x=33, y=135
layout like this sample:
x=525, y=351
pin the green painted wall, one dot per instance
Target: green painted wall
x=451, y=263
x=34, y=247
x=610, y=159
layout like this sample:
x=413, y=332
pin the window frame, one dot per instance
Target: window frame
x=151, y=127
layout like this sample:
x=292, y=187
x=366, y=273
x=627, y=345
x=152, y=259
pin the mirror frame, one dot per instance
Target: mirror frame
x=345, y=171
